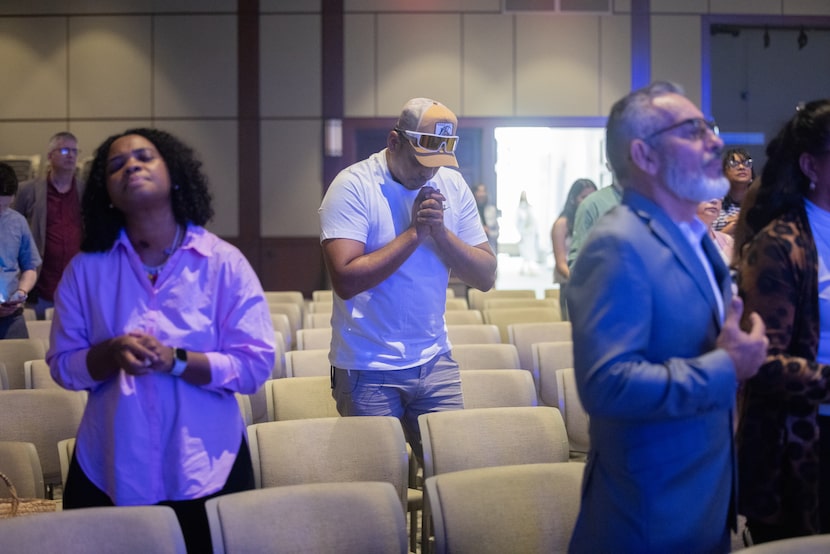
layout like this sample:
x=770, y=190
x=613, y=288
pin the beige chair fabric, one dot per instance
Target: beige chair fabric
x=495, y=388
x=553, y=293
x=307, y=363
x=504, y=317
x=29, y=314
x=37, y=376
x=476, y=297
x=799, y=545
x=49, y=313
x=66, y=448
x=40, y=330
x=279, y=354
x=295, y=318
x=499, y=303
x=456, y=304
x=525, y=335
x=322, y=296
x=519, y=509
x=320, y=307
x=314, y=338
x=4, y=377
x=347, y=518
x=282, y=324
x=15, y=353
x=294, y=452
x=317, y=320
x=300, y=398
x=486, y=356
x=463, y=317
x=483, y=437
x=245, y=408
x=20, y=463
x=574, y=414
x=547, y=358
x=474, y=333
x=121, y=530
x=42, y=417
x=293, y=296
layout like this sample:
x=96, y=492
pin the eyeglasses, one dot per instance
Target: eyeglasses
x=732, y=163
x=66, y=151
x=698, y=128
x=433, y=143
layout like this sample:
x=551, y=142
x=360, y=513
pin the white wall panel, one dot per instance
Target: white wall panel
x=359, y=76
x=422, y=6
x=615, y=60
x=91, y=134
x=675, y=52
x=418, y=55
x=679, y=6
x=290, y=64
x=291, y=178
x=27, y=138
x=557, y=61
x=195, y=69
x=488, y=75
x=284, y=6
x=110, y=66
x=33, y=58
x=806, y=7
x=216, y=145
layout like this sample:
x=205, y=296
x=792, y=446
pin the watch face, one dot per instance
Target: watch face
x=181, y=354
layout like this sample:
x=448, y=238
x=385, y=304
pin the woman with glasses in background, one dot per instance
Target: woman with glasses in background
x=737, y=166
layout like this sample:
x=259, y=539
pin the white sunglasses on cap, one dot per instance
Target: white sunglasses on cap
x=433, y=143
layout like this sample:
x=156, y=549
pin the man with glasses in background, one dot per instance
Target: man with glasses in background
x=393, y=228
x=658, y=350
x=52, y=206
x=737, y=166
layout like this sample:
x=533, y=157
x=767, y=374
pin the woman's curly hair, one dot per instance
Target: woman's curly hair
x=189, y=190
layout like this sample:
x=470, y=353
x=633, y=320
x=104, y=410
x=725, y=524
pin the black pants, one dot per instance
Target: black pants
x=80, y=492
x=14, y=326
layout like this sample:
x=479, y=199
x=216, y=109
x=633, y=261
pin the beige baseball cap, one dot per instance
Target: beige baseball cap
x=432, y=131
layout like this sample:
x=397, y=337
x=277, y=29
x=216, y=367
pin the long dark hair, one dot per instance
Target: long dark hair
x=189, y=195
x=569, y=211
x=783, y=185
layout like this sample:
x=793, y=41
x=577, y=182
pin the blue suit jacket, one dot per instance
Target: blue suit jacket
x=660, y=473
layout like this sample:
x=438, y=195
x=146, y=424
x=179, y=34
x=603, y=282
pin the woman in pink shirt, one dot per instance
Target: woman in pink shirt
x=161, y=322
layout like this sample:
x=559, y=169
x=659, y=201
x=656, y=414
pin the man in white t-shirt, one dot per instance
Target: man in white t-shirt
x=393, y=227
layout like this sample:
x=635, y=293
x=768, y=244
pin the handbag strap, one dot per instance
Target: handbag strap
x=13, y=491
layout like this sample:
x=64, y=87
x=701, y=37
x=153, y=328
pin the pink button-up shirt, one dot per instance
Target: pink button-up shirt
x=144, y=439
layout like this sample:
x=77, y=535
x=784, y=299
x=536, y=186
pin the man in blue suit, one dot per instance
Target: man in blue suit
x=658, y=351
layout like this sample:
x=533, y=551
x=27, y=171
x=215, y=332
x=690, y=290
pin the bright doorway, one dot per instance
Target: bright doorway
x=543, y=162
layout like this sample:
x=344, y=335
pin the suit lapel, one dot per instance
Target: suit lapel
x=670, y=234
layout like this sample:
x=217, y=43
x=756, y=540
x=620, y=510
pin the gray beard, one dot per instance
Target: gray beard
x=695, y=188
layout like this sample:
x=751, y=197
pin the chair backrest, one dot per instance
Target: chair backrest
x=20, y=463
x=498, y=303
x=473, y=333
x=300, y=398
x=537, y=508
x=494, y=388
x=553, y=293
x=348, y=518
x=319, y=307
x=314, y=339
x=797, y=545
x=293, y=296
x=322, y=295
x=279, y=355
x=282, y=325
x=29, y=314
x=476, y=297
x=486, y=356
x=42, y=417
x=295, y=317
x=457, y=304
x=463, y=317
x=484, y=437
x=504, y=317
x=123, y=530
x=49, y=313
x=66, y=448
x=307, y=363
x=524, y=335
x=574, y=414
x=4, y=377
x=317, y=319
x=15, y=353
x=37, y=375
x=547, y=358
x=245, y=409
x=40, y=329
x=370, y=448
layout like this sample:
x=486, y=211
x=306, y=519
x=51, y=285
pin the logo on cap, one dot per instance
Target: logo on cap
x=443, y=129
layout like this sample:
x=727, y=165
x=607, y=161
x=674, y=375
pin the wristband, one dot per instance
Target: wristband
x=179, y=362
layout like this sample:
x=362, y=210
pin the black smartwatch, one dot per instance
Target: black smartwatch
x=179, y=362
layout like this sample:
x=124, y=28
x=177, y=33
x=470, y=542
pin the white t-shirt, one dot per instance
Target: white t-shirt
x=399, y=323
